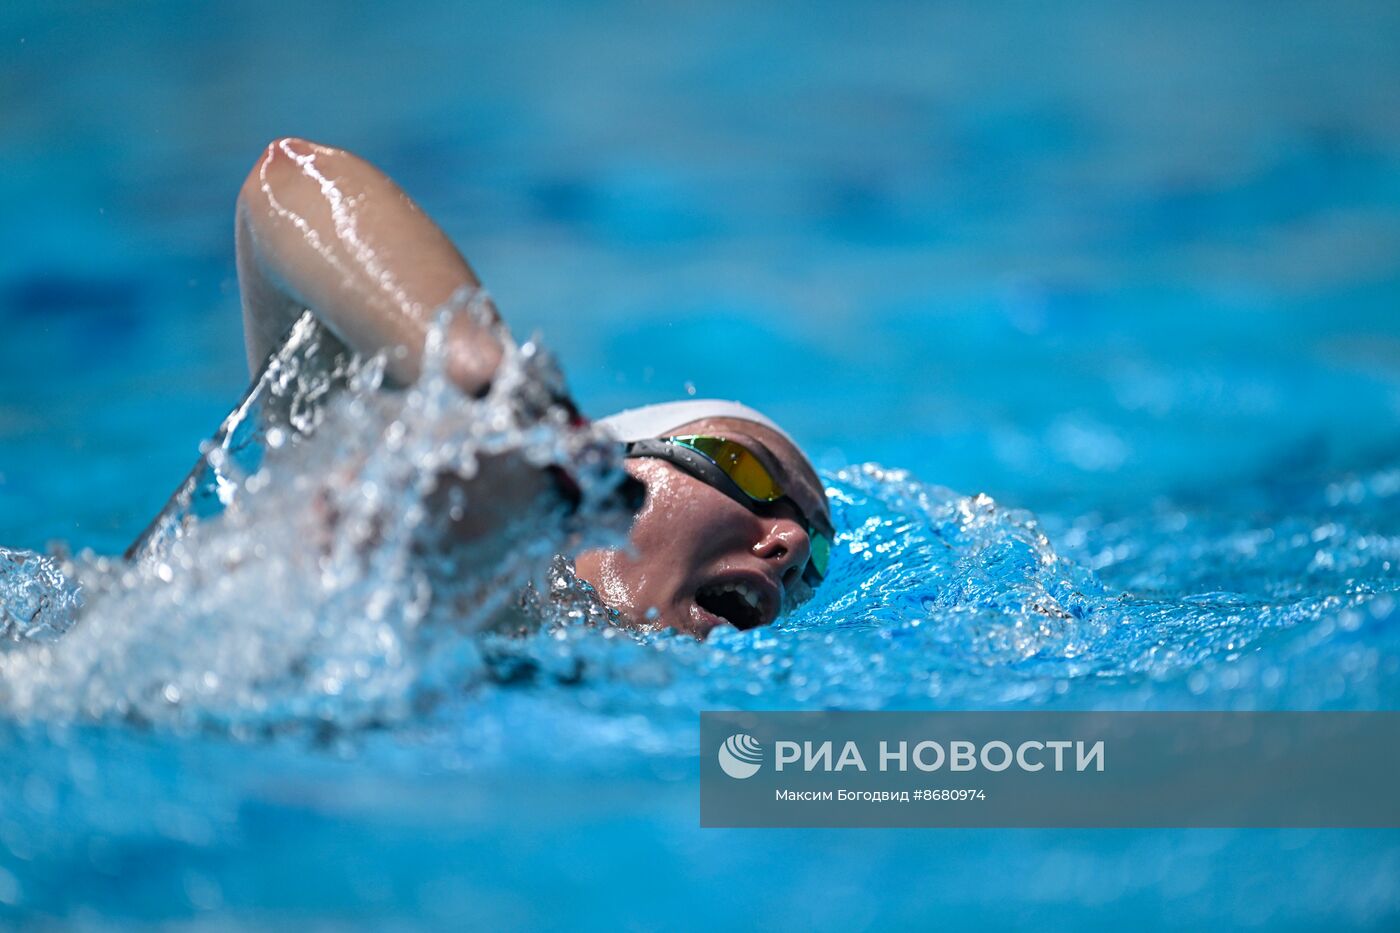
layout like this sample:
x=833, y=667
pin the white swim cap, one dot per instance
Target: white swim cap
x=635, y=424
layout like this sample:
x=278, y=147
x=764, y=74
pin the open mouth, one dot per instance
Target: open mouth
x=740, y=604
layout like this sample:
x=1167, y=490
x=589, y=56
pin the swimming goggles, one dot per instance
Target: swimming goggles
x=736, y=471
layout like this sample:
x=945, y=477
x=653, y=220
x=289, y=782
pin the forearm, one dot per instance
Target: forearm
x=321, y=228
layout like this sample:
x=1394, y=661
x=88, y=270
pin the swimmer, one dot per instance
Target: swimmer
x=734, y=519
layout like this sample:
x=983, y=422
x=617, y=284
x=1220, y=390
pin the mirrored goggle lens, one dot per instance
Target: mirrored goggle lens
x=738, y=463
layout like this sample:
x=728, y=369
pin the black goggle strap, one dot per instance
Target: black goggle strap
x=693, y=462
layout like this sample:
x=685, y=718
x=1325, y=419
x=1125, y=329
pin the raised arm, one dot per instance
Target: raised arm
x=321, y=228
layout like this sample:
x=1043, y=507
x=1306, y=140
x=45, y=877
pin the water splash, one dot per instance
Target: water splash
x=327, y=589
x=505, y=706
x=944, y=601
x=37, y=604
x=323, y=594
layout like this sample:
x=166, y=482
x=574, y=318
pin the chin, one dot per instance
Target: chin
x=687, y=620
x=687, y=617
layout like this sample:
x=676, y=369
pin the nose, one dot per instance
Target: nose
x=786, y=545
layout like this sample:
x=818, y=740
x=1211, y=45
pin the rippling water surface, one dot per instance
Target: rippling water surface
x=1086, y=316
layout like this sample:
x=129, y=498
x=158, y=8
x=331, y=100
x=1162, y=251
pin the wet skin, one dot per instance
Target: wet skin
x=319, y=227
x=690, y=539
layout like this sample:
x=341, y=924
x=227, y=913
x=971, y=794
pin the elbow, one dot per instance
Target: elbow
x=294, y=170
x=280, y=161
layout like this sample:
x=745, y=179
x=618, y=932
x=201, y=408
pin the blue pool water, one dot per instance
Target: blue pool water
x=1132, y=274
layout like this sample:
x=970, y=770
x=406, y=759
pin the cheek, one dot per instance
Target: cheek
x=653, y=567
x=611, y=575
x=681, y=530
x=678, y=525
x=658, y=546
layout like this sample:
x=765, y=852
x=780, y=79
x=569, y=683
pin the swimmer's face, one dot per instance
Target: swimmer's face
x=696, y=558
